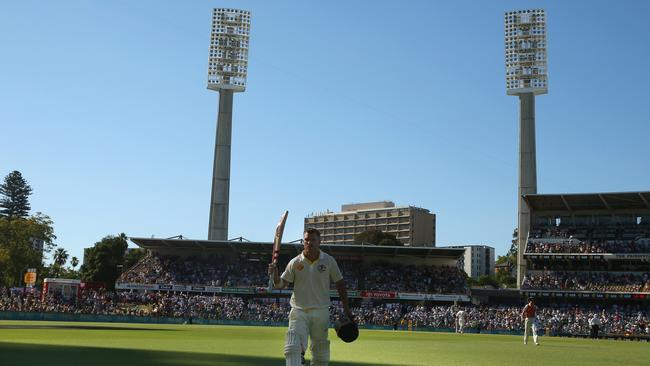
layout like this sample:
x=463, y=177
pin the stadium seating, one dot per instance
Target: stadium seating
x=565, y=319
x=242, y=272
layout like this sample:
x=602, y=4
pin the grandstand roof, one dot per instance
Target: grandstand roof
x=287, y=248
x=589, y=201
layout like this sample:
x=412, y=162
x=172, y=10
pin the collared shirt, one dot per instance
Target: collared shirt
x=311, y=280
x=529, y=311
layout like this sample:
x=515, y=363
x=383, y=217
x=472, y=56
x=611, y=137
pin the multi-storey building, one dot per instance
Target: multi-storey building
x=478, y=260
x=413, y=226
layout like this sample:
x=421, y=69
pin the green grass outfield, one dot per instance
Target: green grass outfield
x=118, y=344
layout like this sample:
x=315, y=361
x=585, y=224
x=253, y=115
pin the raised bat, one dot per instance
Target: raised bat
x=277, y=240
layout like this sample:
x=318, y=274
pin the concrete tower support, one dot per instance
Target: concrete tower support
x=227, y=70
x=218, y=227
x=527, y=174
x=526, y=77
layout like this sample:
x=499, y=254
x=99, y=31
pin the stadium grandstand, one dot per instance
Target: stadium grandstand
x=589, y=247
x=371, y=272
x=224, y=282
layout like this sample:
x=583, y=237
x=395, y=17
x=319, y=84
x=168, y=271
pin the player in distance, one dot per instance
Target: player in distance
x=528, y=315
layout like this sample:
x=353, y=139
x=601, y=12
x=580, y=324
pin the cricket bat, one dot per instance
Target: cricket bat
x=277, y=240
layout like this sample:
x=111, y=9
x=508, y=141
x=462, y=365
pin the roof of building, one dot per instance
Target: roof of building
x=288, y=248
x=589, y=201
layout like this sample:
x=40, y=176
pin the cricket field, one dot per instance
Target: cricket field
x=118, y=344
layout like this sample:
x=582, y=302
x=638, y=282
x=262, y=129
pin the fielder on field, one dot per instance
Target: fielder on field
x=311, y=273
x=460, y=321
x=530, y=320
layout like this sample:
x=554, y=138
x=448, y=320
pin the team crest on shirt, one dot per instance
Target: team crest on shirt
x=321, y=268
x=299, y=266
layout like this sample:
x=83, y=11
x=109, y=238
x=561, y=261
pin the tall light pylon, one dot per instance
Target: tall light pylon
x=227, y=69
x=526, y=76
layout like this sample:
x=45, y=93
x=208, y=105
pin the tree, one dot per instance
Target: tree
x=377, y=237
x=14, y=192
x=60, y=257
x=511, y=257
x=74, y=262
x=102, y=260
x=22, y=244
x=132, y=257
x=487, y=281
x=505, y=279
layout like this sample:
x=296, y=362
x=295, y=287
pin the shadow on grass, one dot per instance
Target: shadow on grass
x=84, y=327
x=19, y=354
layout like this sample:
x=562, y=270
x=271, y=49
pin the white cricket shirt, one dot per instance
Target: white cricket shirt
x=311, y=280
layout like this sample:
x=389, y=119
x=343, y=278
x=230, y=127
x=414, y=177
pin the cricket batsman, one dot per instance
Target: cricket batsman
x=311, y=273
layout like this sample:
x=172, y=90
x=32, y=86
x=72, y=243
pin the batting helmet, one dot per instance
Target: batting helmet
x=347, y=330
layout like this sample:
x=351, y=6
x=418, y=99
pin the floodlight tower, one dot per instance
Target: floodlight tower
x=227, y=67
x=526, y=76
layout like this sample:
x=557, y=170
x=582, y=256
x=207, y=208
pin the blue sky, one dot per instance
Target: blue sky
x=105, y=111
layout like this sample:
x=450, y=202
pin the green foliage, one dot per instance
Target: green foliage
x=377, y=237
x=74, y=262
x=487, y=281
x=505, y=279
x=14, y=196
x=102, y=260
x=60, y=256
x=511, y=257
x=132, y=257
x=20, y=246
x=56, y=271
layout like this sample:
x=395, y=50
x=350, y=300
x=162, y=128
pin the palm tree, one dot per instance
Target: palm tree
x=74, y=262
x=60, y=256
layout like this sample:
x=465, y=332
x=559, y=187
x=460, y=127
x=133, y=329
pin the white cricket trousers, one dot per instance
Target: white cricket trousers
x=529, y=323
x=304, y=324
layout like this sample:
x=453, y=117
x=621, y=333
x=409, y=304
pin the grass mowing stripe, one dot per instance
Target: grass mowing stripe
x=112, y=344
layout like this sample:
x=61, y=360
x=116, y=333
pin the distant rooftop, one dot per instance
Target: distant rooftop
x=589, y=201
x=367, y=206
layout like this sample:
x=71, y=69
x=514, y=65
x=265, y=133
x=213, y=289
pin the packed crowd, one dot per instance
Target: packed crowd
x=556, y=320
x=573, y=245
x=587, y=281
x=422, y=279
x=162, y=304
x=211, y=271
x=592, y=232
x=220, y=271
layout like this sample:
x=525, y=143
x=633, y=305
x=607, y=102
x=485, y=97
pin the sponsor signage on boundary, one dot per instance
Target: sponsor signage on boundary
x=262, y=290
x=155, y=287
x=589, y=295
x=432, y=297
x=583, y=256
x=135, y=286
x=335, y=293
x=632, y=256
x=237, y=290
x=379, y=294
